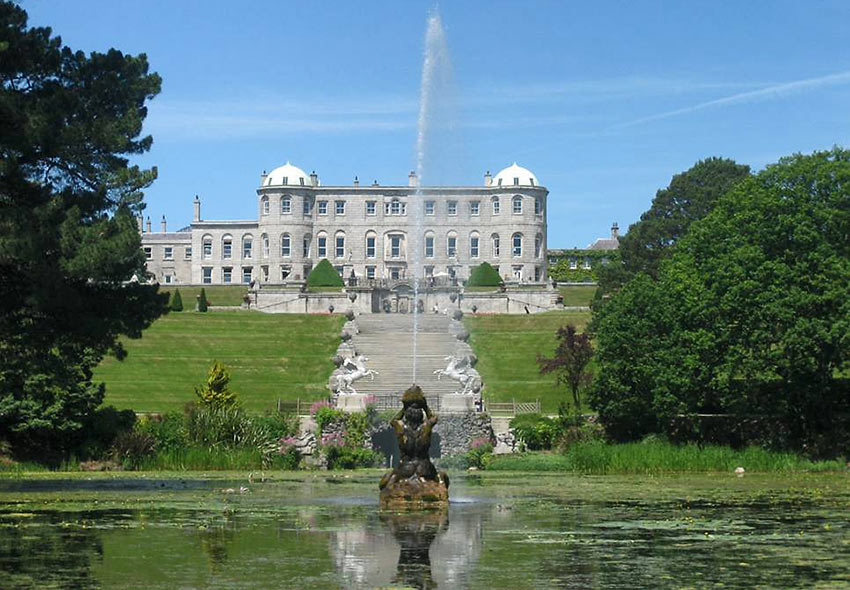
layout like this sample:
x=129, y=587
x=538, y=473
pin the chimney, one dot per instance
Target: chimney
x=314, y=178
x=356, y=181
x=197, y=206
x=141, y=221
x=488, y=180
x=162, y=224
x=263, y=177
x=615, y=231
x=411, y=178
x=375, y=182
x=148, y=224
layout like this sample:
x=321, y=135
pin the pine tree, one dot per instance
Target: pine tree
x=203, y=304
x=176, y=301
x=215, y=391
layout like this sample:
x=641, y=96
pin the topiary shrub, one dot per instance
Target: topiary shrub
x=176, y=301
x=484, y=275
x=203, y=304
x=324, y=275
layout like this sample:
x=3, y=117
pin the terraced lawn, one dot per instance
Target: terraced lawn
x=507, y=347
x=269, y=356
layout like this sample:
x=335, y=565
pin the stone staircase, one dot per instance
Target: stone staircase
x=387, y=341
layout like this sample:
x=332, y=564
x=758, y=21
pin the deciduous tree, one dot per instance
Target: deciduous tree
x=569, y=363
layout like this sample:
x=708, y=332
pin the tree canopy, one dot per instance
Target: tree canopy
x=749, y=316
x=68, y=236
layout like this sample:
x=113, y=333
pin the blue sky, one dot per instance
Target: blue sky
x=604, y=101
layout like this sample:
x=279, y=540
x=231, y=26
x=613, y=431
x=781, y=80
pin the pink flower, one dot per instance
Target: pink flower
x=478, y=443
x=318, y=406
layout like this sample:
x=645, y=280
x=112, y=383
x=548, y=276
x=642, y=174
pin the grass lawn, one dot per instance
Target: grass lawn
x=268, y=355
x=216, y=294
x=575, y=295
x=507, y=347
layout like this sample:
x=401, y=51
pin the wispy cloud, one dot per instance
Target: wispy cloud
x=775, y=91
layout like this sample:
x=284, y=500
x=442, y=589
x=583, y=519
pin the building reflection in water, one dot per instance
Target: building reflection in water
x=422, y=550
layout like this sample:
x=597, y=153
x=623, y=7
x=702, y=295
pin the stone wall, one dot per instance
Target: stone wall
x=457, y=431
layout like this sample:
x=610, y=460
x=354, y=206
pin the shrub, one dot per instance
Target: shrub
x=325, y=415
x=167, y=430
x=479, y=454
x=176, y=301
x=535, y=432
x=216, y=391
x=278, y=425
x=342, y=456
x=203, y=304
x=101, y=429
x=484, y=275
x=132, y=447
x=324, y=275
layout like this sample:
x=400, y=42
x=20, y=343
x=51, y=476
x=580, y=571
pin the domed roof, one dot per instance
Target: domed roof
x=287, y=175
x=515, y=175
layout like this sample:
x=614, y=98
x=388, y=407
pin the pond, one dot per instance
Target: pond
x=324, y=530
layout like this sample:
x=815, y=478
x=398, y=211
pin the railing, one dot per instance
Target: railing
x=393, y=402
x=512, y=408
x=297, y=406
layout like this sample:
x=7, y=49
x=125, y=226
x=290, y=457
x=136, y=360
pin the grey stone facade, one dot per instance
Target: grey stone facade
x=364, y=230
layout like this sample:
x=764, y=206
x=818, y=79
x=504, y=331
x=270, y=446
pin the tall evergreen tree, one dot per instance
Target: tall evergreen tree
x=68, y=236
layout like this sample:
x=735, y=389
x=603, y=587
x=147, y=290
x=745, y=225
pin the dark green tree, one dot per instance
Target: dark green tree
x=324, y=275
x=749, y=316
x=569, y=363
x=690, y=196
x=203, y=304
x=176, y=301
x=484, y=275
x=68, y=237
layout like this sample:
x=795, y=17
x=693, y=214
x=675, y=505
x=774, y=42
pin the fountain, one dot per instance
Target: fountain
x=415, y=482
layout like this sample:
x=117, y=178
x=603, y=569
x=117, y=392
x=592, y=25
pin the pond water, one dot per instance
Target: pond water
x=517, y=531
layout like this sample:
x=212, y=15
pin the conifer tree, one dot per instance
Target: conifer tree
x=176, y=301
x=202, y=300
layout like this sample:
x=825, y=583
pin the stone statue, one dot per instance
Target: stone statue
x=353, y=369
x=460, y=369
x=415, y=482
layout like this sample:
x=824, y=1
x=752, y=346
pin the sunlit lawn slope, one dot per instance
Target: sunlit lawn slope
x=269, y=356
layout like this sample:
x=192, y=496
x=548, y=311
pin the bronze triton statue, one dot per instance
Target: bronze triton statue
x=415, y=482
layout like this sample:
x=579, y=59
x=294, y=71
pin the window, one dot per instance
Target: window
x=587, y=263
x=168, y=253
x=207, y=245
x=395, y=246
x=496, y=205
x=166, y=278
x=517, y=270
x=537, y=274
x=394, y=274
x=323, y=247
x=247, y=246
x=516, y=180
x=473, y=246
x=340, y=246
x=307, y=207
x=451, y=246
x=207, y=275
x=538, y=245
x=265, y=205
x=339, y=207
x=148, y=252
x=517, y=245
x=517, y=204
x=266, y=246
x=429, y=271
x=265, y=273
x=499, y=181
x=451, y=207
x=371, y=207
x=474, y=207
x=494, y=239
x=429, y=207
x=370, y=272
x=285, y=180
x=370, y=246
x=226, y=274
x=573, y=264
x=247, y=272
x=187, y=253
x=323, y=207
x=395, y=207
x=339, y=269
x=227, y=248
x=305, y=246
x=429, y=246
x=286, y=205
x=286, y=245
x=301, y=180
x=285, y=271
x=538, y=206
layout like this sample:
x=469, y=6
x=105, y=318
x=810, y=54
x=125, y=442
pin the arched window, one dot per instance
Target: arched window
x=247, y=246
x=322, y=245
x=305, y=246
x=451, y=244
x=265, y=240
x=538, y=245
x=264, y=205
x=206, y=243
x=339, y=244
x=429, y=245
x=517, y=203
x=497, y=206
x=495, y=245
x=371, y=244
x=516, y=250
x=474, y=241
x=286, y=245
x=227, y=247
x=286, y=205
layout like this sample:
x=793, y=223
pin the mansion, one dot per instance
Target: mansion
x=367, y=232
